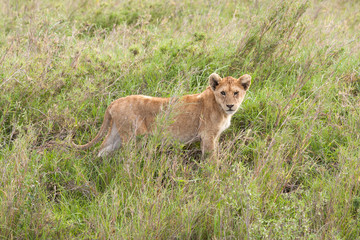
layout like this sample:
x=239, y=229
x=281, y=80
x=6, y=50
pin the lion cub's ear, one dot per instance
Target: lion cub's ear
x=214, y=80
x=245, y=81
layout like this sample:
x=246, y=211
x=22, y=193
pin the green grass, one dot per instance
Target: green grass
x=289, y=162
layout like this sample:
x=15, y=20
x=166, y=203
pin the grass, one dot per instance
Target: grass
x=289, y=162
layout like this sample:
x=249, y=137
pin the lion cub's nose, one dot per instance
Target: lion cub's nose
x=229, y=106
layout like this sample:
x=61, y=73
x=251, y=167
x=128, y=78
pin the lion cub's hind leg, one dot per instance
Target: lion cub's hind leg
x=111, y=142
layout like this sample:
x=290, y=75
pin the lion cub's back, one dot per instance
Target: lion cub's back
x=138, y=105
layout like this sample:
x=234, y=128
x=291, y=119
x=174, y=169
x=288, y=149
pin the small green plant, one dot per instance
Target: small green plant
x=199, y=36
x=134, y=50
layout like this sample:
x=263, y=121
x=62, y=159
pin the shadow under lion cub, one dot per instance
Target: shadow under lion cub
x=197, y=117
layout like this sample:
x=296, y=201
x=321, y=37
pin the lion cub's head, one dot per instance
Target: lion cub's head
x=229, y=92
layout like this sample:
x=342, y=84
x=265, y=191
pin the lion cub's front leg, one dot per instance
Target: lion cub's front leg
x=209, y=146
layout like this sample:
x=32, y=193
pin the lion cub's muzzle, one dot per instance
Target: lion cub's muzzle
x=230, y=106
x=230, y=109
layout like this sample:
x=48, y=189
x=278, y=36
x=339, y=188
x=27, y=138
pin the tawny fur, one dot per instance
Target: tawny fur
x=202, y=116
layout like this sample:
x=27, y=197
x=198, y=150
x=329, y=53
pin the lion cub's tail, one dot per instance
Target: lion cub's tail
x=103, y=130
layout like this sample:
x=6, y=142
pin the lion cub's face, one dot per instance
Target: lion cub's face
x=229, y=92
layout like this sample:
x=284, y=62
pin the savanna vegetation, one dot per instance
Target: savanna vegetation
x=290, y=164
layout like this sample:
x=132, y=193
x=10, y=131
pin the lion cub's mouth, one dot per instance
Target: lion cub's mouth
x=230, y=111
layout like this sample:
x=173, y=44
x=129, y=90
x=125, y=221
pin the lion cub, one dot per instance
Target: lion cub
x=202, y=116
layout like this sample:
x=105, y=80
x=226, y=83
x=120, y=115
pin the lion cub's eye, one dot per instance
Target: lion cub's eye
x=236, y=93
x=223, y=93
